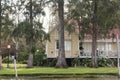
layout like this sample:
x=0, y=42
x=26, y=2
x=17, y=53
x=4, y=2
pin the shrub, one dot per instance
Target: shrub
x=5, y=59
x=52, y=62
x=39, y=58
x=76, y=62
x=86, y=62
x=106, y=62
x=22, y=57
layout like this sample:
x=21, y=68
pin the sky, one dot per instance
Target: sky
x=46, y=19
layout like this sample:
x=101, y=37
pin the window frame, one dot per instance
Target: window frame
x=57, y=45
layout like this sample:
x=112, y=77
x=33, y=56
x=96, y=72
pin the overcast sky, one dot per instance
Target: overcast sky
x=46, y=19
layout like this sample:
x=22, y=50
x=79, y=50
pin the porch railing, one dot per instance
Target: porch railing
x=99, y=54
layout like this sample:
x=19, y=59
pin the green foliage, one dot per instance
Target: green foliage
x=102, y=62
x=106, y=62
x=40, y=58
x=31, y=28
x=22, y=57
x=5, y=59
x=79, y=13
x=34, y=34
x=86, y=62
x=37, y=8
x=82, y=12
x=6, y=22
x=52, y=63
x=70, y=28
x=76, y=62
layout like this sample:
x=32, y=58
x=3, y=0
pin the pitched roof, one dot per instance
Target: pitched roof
x=112, y=33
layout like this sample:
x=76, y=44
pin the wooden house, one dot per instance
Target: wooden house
x=106, y=47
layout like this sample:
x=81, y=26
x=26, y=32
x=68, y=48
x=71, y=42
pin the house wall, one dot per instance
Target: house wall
x=102, y=45
x=75, y=46
x=52, y=52
x=105, y=48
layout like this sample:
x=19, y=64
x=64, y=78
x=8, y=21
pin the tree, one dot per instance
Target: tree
x=104, y=19
x=0, y=35
x=76, y=16
x=5, y=24
x=61, y=62
x=30, y=59
x=94, y=35
x=96, y=18
x=31, y=28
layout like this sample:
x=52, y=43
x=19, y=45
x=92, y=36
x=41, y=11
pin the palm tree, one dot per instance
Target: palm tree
x=35, y=34
x=31, y=28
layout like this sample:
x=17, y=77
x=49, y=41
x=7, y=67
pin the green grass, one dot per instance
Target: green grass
x=12, y=65
x=54, y=71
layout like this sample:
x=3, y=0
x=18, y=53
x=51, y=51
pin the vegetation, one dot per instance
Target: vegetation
x=0, y=34
x=12, y=65
x=40, y=58
x=31, y=28
x=61, y=63
x=53, y=72
x=5, y=24
x=102, y=62
x=94, y=17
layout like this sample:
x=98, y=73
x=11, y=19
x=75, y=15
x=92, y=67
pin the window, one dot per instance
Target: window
x=101, y=46
x=57, y=44
x=108, y=47
x=105, y=46
x=87, y=47
x=67, y=45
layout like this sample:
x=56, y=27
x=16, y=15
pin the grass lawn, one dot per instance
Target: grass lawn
x=54, y=72
x=12, y=65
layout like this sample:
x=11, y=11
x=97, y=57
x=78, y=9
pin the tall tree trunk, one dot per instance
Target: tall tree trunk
x=0, y=36
x=30, y=59
x=94, y=36
x=61, y=63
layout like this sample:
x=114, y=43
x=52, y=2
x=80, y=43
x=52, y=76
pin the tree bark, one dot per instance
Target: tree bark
x=30, y=59
x=0, y=36
x=94, y=36
x=61, y=62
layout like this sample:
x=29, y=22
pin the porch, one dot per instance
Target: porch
x=100, y=54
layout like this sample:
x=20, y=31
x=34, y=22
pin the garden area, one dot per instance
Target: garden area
x=45, y=68
x=81, y=41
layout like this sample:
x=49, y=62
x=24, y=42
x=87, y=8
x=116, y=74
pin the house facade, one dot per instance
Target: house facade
x=106, y=48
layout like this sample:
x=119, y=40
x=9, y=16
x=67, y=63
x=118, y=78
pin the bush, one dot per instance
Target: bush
x=5, y=59
x=22, y=57
x=106, y=62
x=52, y=62
x=86, y=62
x=76, y=62
x=40, y=58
